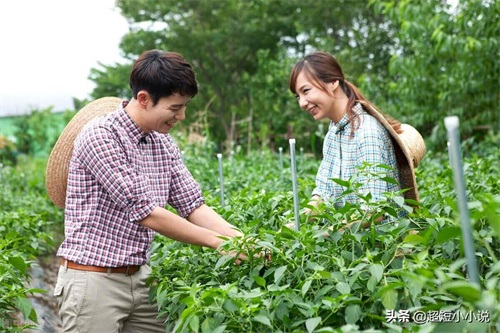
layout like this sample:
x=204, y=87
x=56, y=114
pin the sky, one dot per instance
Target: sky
x=48, y=48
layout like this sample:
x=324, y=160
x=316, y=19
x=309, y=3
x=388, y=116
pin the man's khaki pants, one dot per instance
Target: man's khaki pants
x=106, y=302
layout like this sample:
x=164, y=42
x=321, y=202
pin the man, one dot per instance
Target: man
x=124, y=170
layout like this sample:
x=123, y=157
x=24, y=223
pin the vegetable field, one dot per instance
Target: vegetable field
x=405, y=276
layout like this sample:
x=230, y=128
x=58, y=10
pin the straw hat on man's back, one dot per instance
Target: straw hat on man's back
x=56, y=176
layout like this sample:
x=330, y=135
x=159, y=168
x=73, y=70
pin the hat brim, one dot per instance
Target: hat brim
x=56, y=174
x=409, y=148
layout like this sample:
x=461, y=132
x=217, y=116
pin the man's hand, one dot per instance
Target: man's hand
x=233, y=254
x=290, y=225
x=245, y=246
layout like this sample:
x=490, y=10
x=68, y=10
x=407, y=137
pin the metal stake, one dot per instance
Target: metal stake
x=221, y=180
x=294, y=182
x=451, y=124
x=281, y=157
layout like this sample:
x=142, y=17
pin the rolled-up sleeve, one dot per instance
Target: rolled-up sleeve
x=185, y=193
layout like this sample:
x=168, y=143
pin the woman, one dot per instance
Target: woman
x=358, y=136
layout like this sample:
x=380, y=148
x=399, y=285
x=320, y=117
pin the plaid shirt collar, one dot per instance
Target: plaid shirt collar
x=342, y=124
x=133, y=130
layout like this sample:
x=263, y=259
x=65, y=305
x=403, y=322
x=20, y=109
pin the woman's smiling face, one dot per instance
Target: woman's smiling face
x=315, y=99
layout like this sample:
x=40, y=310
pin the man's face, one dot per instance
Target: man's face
x=166, y=113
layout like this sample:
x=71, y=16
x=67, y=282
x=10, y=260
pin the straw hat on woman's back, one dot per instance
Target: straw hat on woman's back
x=410, y=149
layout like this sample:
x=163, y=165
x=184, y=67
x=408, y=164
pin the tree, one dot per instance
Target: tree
x=445, y=63
x=110, y=80
x=243, y=51
x=220, y=38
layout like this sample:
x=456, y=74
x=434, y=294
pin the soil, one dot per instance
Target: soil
x=43, y=275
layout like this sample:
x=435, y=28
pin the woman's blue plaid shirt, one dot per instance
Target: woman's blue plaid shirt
x=343, y=155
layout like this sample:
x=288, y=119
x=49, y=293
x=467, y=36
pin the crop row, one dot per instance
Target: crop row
x=347, y=281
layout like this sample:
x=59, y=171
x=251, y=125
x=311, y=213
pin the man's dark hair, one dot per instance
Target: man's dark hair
x=162, y=74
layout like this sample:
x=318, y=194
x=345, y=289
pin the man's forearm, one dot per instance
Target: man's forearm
x=175, y=227
x=206, y=217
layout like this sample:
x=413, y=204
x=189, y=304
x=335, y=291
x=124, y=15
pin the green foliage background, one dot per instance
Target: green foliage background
x=342, y=283
x=418, y=60
x=30, y=227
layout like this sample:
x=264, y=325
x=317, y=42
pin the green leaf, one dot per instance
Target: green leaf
x=312, y=323
x=194, y=323
x=262, y=319
x=24, y=305
x=259, y=280
x=377, y=271
x=188, y=300
x=462, y=326
x=219, y=329
x=314, y=266
x=399, y=200
x=326, y=330
x=352, y=313
x=413, y=239
x=222, y=261
x=161, y=297
x=394, y=327
x=268, y=245
x=230, y=306
x=208, y=325
x=341, y=182
x=385, y=166
x=36, y=290
x=389, y=299
x=390, y=180
x=491, y=210
x=447, y=233
x=33, y=316
x=324, y=274
x=278, y=274
x=468, y=291
x=305, y=287
x=19, y=263
x=391, y=211
x=282, y=311
x=371, y=284
x=11, y=235
x=422, y=255
x=343, y=288
x=252, y=294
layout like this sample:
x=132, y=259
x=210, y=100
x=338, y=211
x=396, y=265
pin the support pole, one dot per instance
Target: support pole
x=294, y=182
x=451, y=124
x=221, y=180
x=281, y=157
